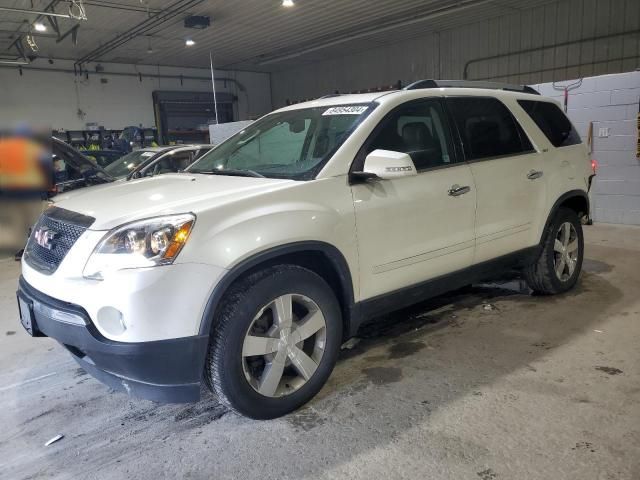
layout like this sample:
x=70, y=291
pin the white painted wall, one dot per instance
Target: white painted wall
x=54, y=98
x=611, y=102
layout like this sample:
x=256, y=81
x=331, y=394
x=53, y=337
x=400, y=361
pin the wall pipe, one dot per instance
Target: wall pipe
x=138, y=75
x=551, y=69
x=465, y=72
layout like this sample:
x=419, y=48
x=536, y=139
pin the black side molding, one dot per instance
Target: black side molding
x=336, y=258
x=389, y=302
x=563, y=198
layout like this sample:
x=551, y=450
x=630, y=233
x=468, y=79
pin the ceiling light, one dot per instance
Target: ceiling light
x=189, y=43
x=287, y=3
x=40, y=27
x=197, y=21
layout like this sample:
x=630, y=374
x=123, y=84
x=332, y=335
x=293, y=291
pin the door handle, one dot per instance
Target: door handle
x=456, y=190
x=533, y=174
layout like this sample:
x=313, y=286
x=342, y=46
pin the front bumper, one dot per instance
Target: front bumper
x=161, y=370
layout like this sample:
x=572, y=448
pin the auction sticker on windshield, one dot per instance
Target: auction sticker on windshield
x=346, y=110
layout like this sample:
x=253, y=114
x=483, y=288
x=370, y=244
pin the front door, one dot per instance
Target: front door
x=416, y=228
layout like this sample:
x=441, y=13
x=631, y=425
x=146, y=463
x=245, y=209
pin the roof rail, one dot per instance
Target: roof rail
x=470, y=84
x=330, y=95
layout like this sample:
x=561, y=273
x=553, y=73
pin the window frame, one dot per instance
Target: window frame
x=155, y=161
x=315, y=171
x=358, y=160
x=554, y=104
x=519, y=128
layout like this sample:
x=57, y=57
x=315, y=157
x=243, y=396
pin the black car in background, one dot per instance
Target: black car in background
x=73, y=170
x=151, y=161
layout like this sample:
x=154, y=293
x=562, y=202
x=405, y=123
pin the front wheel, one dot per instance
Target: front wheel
x=557, y=268
x=274, y=342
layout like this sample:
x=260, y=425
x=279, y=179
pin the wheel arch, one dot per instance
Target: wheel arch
x=322, y=258
x=577, y=200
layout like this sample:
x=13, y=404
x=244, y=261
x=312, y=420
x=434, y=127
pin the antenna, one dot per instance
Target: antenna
x=213, y=86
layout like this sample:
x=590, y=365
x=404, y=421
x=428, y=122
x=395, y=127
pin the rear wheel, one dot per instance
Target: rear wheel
x=557, y=268
x=275, y=341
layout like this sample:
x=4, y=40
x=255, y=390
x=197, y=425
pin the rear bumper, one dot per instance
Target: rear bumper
x=162, y=370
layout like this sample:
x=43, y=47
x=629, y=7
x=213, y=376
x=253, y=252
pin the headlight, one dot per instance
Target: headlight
x=145, y=243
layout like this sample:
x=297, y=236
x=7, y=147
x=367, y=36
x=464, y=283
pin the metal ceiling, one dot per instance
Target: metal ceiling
x=256, y=35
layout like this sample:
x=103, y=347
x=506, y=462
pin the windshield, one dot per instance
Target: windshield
x=293, y=144
x=125, y=165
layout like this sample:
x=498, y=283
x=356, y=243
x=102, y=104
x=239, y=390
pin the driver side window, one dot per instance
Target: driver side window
x=418, y=128
x=170, y=164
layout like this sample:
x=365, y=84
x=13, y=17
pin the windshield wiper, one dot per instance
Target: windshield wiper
x=232, y=172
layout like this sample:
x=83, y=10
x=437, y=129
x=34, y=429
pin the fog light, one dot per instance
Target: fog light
x=111, y=320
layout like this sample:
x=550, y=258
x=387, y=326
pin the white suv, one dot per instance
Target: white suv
x=250, y=269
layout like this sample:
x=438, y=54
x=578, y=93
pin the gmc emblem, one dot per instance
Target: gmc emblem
x=45, y=237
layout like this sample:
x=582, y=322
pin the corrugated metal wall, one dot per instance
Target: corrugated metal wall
x=557, y=41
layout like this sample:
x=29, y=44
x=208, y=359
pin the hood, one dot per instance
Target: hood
x=121, y=202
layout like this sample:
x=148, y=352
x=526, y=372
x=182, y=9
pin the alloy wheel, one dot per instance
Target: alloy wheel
x=565, y=249
x=284, y=345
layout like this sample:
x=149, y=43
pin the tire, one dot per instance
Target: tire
x=252, y=308
x=542, y=275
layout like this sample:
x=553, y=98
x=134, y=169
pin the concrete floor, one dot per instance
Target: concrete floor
x=524, y=388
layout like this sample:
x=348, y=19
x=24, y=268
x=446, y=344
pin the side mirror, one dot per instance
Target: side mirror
x=386, y=165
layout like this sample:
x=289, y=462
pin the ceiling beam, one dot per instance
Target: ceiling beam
x=39, y=13
x=35, y=34
x=165, y=15
x=442, y=11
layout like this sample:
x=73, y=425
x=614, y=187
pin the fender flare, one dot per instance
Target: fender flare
x=334, y=255
x=554, y=209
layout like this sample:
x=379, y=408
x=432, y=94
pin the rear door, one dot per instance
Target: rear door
x=412, y=229
x=507, y=172
x=567, y=161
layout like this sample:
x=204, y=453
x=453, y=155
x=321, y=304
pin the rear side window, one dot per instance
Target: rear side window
x=552, y=121
x=487, y=127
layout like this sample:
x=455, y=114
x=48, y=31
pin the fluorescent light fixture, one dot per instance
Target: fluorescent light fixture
x=40, y=27
x=287, y=3
x=189, y=43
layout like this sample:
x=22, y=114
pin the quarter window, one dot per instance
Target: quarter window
x=487, y=128
x=552, y=121
x=418, y=129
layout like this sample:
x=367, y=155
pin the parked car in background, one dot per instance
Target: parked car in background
x=73, y=170
x=103, y=158
x=156, y=160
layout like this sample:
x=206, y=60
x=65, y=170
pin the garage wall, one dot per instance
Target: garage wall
x=611, y=102
x=53, y=98
x=550, y=42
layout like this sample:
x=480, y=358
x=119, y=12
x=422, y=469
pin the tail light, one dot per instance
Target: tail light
x=594, y=166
